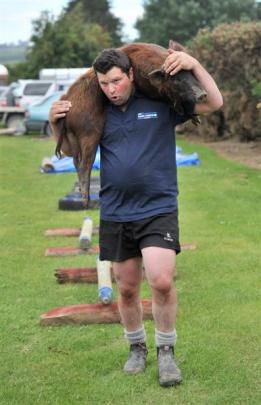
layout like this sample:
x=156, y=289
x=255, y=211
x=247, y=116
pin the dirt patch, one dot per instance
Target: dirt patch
x=248, y=153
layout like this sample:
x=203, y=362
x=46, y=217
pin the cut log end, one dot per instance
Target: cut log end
x=71, y=251
x=76, y=275
x=86, y=314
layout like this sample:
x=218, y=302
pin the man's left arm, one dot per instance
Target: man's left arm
x=178, y=60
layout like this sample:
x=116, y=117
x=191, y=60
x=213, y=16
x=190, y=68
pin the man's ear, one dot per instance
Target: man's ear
x=131, y=74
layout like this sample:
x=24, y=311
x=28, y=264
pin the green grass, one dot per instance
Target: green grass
x=219, y=306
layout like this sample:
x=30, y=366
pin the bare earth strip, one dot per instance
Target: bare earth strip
x=246, y=153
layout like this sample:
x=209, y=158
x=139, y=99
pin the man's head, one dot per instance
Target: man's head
x=115, y=75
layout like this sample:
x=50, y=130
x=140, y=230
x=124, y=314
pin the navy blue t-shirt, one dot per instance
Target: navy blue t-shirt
x=138, y=160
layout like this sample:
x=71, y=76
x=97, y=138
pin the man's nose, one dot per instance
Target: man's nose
x=111, y=88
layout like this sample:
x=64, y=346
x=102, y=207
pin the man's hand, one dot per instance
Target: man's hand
x=59, y=110
x=178, y=60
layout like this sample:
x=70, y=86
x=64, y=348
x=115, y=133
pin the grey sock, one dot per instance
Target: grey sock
x=135, y=336
x=165, y=338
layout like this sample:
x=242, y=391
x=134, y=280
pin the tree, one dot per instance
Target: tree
x=82, y=30
x=98, y=11
x=68, y=42
x=181, y=19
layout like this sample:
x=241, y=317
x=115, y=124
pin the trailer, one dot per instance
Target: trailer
x=62, y=74
x=13, y=119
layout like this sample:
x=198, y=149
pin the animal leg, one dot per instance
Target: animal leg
x=88, y=152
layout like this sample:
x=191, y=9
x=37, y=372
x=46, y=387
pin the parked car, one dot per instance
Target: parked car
x=36, y=115
x=31, y=91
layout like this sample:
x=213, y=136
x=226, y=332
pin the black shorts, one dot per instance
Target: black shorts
x=122, y=240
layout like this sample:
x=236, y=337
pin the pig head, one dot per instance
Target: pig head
x=81, y=129
x=182, y=90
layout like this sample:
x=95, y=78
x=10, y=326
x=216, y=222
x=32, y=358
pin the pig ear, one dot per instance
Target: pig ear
x=157, y=74
x=175, y=46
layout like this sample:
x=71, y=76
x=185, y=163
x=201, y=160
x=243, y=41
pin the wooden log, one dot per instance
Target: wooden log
x=76, y=275
x=86, y=314
x=71, y=251
x=63, y=232
x=68, y=231
x=188, y=246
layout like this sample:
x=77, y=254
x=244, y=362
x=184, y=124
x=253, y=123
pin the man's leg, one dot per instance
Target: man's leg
x=159, y=266
x=128, y=275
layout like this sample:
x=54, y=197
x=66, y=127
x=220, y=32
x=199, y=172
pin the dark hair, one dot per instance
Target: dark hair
x=110, y=58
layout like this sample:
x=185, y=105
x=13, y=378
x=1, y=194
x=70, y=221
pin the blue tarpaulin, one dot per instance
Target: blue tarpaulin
x=191, y=159
x=65, y=165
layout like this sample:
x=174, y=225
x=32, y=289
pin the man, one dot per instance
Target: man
x=138, y=199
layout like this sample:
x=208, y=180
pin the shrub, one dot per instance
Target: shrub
x=231, y=54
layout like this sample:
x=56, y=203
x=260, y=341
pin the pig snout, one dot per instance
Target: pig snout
x=190, y=83
x=188, y=77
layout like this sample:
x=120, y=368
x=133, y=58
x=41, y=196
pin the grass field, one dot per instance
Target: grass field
x=218, y=287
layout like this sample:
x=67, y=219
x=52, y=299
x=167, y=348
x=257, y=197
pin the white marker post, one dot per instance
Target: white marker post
x=104, y=281
x=86, y=233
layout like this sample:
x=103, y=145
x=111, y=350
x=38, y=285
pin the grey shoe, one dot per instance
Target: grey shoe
x=169, y=373
x=136, y=362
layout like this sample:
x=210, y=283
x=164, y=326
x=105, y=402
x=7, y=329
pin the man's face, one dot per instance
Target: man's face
x=116, y=85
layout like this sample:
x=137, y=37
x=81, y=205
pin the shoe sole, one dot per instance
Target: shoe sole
x=170, y=383
x=134, y=371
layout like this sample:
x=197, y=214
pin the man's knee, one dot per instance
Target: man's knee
x=128, y=292
x=162, y=284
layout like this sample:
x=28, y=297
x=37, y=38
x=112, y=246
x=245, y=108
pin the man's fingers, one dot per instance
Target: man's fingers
x=62, y=104
x=173, y=58
x=60, y=115
x=175, y=71
x=173, y=67
x=59, y=110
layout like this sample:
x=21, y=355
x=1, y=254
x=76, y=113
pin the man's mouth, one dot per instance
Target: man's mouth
x=115, y=98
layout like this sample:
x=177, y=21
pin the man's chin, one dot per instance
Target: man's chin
x=117, y=101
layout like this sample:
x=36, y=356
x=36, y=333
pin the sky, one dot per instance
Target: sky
x=16, y=16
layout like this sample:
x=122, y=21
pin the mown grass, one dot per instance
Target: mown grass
x=219, y=305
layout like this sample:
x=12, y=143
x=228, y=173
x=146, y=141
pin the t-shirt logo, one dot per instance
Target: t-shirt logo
x=147, y=115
